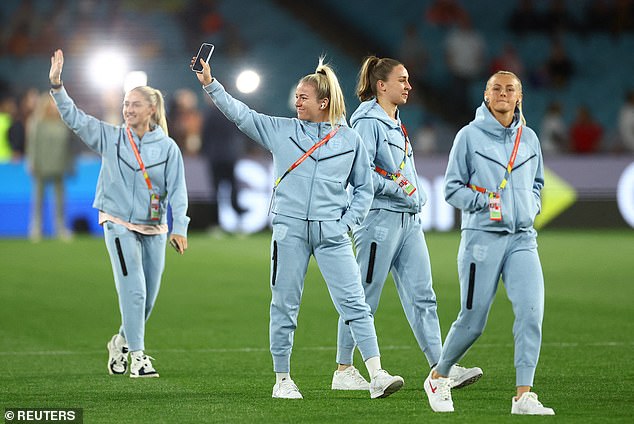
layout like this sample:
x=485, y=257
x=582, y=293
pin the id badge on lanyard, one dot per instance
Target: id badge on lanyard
x=155, y=201
x=495, y=200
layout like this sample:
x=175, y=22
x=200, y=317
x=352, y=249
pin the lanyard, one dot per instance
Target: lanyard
x=138, y=159
x=305, y=155
x=386, y=174
x=509, y=167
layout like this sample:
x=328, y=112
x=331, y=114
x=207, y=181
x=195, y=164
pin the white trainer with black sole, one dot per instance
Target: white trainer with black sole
x=349, y=379
x=462, y=377
x=528, y=404
x=286, y=389
x=141, y=365
x=383, y=384
x=117, y=355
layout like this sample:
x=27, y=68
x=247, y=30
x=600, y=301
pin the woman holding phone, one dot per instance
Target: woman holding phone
x=315, y=156
x=140, y=165
x=495, y=176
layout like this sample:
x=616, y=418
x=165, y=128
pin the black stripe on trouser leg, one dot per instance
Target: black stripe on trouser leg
x=472, y=270
x=274, y=273
x=368, y=278
x=124, y=269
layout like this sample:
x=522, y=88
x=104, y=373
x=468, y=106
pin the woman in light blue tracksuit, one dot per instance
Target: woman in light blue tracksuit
x=315, y=157
x=495, y=176
x=391, y=237
x=134, y=218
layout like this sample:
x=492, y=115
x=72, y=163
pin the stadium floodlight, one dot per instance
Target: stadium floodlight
x=107, y=69
x=134, y=79
x=248, y=81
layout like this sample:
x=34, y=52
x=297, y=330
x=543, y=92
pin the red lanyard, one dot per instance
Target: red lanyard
x=308, y=153
x=509, y=167
x=138, y=159
x=386, y=174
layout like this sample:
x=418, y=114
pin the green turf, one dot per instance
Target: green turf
x=209, y=335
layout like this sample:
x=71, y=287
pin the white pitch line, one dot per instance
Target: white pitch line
x=311, y=348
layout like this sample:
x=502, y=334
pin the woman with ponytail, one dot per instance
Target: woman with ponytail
x=141, y=172
x=391, y=237
x=495, y=176
x=315, y=156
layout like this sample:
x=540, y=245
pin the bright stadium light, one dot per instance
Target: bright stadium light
x=247, y=81
x=134, y=79
x=107, y=69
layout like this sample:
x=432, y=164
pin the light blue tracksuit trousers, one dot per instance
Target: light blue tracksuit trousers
x=394, y=241
x=483, y=258
x=137, y=264
x=294, y=241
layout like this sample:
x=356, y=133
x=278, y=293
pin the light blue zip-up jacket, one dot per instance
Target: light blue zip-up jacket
x=316, y=189
x=385, y=142
x=121, y=189
x=480, y=154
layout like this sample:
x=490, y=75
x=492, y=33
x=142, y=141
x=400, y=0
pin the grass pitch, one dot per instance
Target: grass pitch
x=209, y=335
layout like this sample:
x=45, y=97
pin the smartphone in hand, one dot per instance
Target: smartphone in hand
x=175, y=245
x=204, y=53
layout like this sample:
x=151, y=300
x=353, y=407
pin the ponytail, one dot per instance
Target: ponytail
x=373, y=70
x=155, y=98
x=327, y=87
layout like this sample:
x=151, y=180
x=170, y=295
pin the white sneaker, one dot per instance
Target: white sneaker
x=349, y=379
x=529, y=405
x=141, y=366
x=439, y=394
x=286, y=389
x=117, y=355
x=384, y=384
x=461, y=377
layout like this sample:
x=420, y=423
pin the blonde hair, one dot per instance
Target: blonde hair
x=155, y=98
x=327, y=87
x=374, y=69
x=519, y=84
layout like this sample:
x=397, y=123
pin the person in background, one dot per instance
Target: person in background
x=495, y=175
x=222, y=146
x=391, y=237
x=626, y=122
x=585, y=132
x=141, y=172
x=553, y=132
x=315, y=156
x=49, y=158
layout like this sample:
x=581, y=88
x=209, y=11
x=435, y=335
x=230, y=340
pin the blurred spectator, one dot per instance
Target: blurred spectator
x=7, y=111
x=465, y=54
x=27, y=102
x=525, y=18
x=413, y=54
x=557, y=19
x=508, y=60
x=223, y=145
x=445, y=13
x=185, y=121
x=553, y=133
x=597, y=16
x=559, y=67
x=626, y=122
x=585, y=132
x=49, y=159
x=200, y=19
